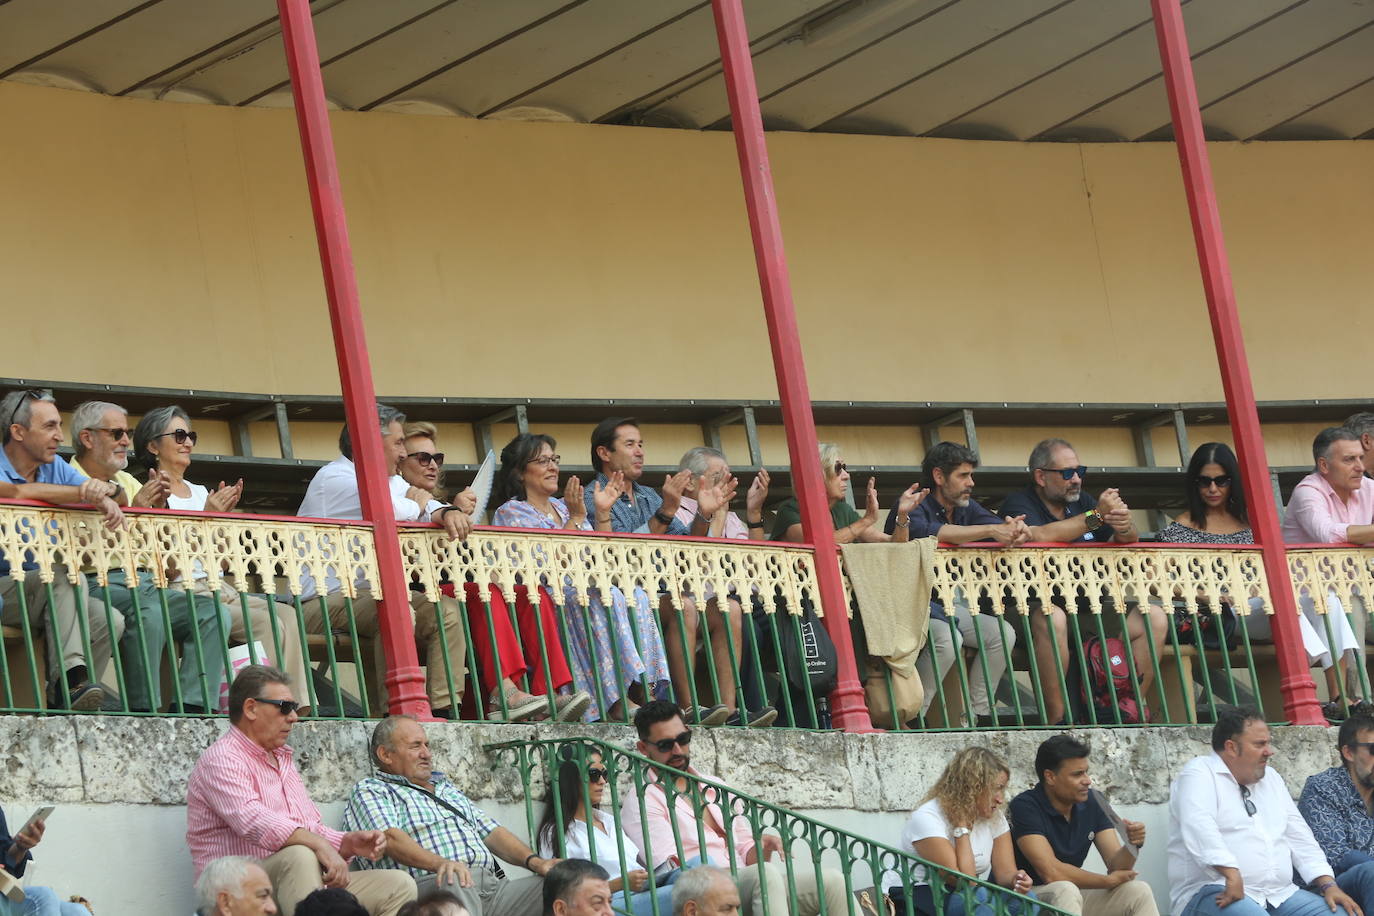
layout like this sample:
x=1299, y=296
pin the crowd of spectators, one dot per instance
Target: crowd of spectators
x=627, y=646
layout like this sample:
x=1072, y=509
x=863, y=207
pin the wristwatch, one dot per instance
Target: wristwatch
x=960, y=831
x=1094, y=519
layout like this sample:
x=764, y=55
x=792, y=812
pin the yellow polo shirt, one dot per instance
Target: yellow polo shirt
x=126, y=480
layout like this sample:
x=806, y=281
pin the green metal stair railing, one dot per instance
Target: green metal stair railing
x=811, y=847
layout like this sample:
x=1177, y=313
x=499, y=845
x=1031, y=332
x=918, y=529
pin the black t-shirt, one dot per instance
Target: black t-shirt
x=1032, y=814
x=1028, y=503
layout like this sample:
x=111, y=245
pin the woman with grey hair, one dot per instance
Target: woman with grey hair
x=164, y=440
x=849, y=525
x=234, y=886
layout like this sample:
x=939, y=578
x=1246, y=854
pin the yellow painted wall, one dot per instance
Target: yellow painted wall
x=500, y=258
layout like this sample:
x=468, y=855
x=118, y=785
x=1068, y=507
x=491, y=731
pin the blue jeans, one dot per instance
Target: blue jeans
x=923, y=902
x=1302, y=903
x=1355, y=876
x=41, y=901
x=642, y=903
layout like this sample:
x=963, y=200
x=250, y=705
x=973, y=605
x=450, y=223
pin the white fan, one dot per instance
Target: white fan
x=481, y=487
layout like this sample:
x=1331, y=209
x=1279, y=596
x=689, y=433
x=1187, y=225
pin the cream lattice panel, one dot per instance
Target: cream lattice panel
x=239, y=546
x=1346, y=571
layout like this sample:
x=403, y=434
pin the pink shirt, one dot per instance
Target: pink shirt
x=242, y=800
x=660, y=843
x=734, y=528
x=1316, y=515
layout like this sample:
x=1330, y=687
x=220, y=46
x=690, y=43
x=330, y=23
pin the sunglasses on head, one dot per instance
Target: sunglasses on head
x=1068, y=473
x=426, y=457
x=666, y=745
x=28, y=394
x=596, y=774
x=1221, y=480
x=182, y=436
x=287, y=707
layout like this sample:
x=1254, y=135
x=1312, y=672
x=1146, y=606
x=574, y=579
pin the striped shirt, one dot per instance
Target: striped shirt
x=243, y=800
x=385, y=800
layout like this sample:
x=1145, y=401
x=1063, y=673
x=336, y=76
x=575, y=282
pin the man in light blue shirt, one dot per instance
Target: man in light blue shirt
x=31, y=436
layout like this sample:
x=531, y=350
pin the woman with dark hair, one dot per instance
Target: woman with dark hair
x=1216, y=515
x=525, y=486
x=493, y=637
x=585, y=825
x=164, y=441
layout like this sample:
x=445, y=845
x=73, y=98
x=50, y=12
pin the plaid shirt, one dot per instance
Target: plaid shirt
x=385, y=800
x=627, y=516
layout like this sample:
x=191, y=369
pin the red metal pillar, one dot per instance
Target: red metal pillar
x=847, y=703
x=1299, y=692
x=405, y=680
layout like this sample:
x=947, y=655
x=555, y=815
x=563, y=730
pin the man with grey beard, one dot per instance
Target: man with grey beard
x=1336, y=805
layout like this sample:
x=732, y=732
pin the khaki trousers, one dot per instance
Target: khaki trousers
x=295, y=872
x=774, y=879
x=493, y=896
x=431, y=648
x=1134, y=898
x=63, y=620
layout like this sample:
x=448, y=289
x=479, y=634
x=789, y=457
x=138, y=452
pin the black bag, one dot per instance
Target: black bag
x=810, y=665
x=1215, y=629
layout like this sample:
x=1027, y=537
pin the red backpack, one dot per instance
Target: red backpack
x=1107, y=665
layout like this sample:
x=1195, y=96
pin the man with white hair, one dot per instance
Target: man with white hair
x=705, y=891
x=234, y=886
x=103, y=438
x=31, y=436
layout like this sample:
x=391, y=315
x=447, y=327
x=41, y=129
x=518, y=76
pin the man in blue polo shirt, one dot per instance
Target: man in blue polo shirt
x=951, y=515
x=1057, y=509
x=1054, y=824
x=31, y=437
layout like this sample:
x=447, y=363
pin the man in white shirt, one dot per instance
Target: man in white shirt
x=333, y=493
x=1235, y=836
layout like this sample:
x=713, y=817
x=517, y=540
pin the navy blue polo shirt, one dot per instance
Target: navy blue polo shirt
x=1027, y=502
x=929, y=517
x=1033, y=814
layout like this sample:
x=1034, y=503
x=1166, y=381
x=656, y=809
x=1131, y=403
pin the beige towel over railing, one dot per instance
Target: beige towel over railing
x=892, y=584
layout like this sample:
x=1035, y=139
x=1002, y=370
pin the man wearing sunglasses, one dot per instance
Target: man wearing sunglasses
x=31, y=436
x=1236, y=838
x=1336, y=805
x=671, y=831
x=246, y=798
x=1057, y=509
x=435, y=833
x=333, y=493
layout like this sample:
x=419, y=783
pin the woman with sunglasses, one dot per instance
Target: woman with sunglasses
x=584, y=824
x=526, y=486
x=1216, y=515
x=519, y=656
x=164, y=441
x=959, y=826
x=849, y=525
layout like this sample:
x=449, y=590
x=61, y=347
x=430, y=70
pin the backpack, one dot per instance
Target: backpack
x=1108, y=668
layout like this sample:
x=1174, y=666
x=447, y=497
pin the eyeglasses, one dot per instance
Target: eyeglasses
x=287, y=707
x=1367, y=745
x=596, y=774
x=1068, y=473
x=1245, y=796
x=1221, y=480
x=116, y=433
x=544, y=461
x=181, y=435
x=840, y=468
x=28, y=394
x=666, y=745
x=426, y=457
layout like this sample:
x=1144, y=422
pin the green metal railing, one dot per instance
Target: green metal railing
x=815, y=855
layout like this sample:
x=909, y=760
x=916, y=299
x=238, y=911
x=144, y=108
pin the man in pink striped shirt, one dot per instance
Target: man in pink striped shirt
x=245, y=798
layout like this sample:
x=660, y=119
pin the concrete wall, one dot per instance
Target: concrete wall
x=119, y=784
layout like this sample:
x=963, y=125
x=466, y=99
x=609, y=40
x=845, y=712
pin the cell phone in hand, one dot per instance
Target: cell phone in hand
x=42, y=814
